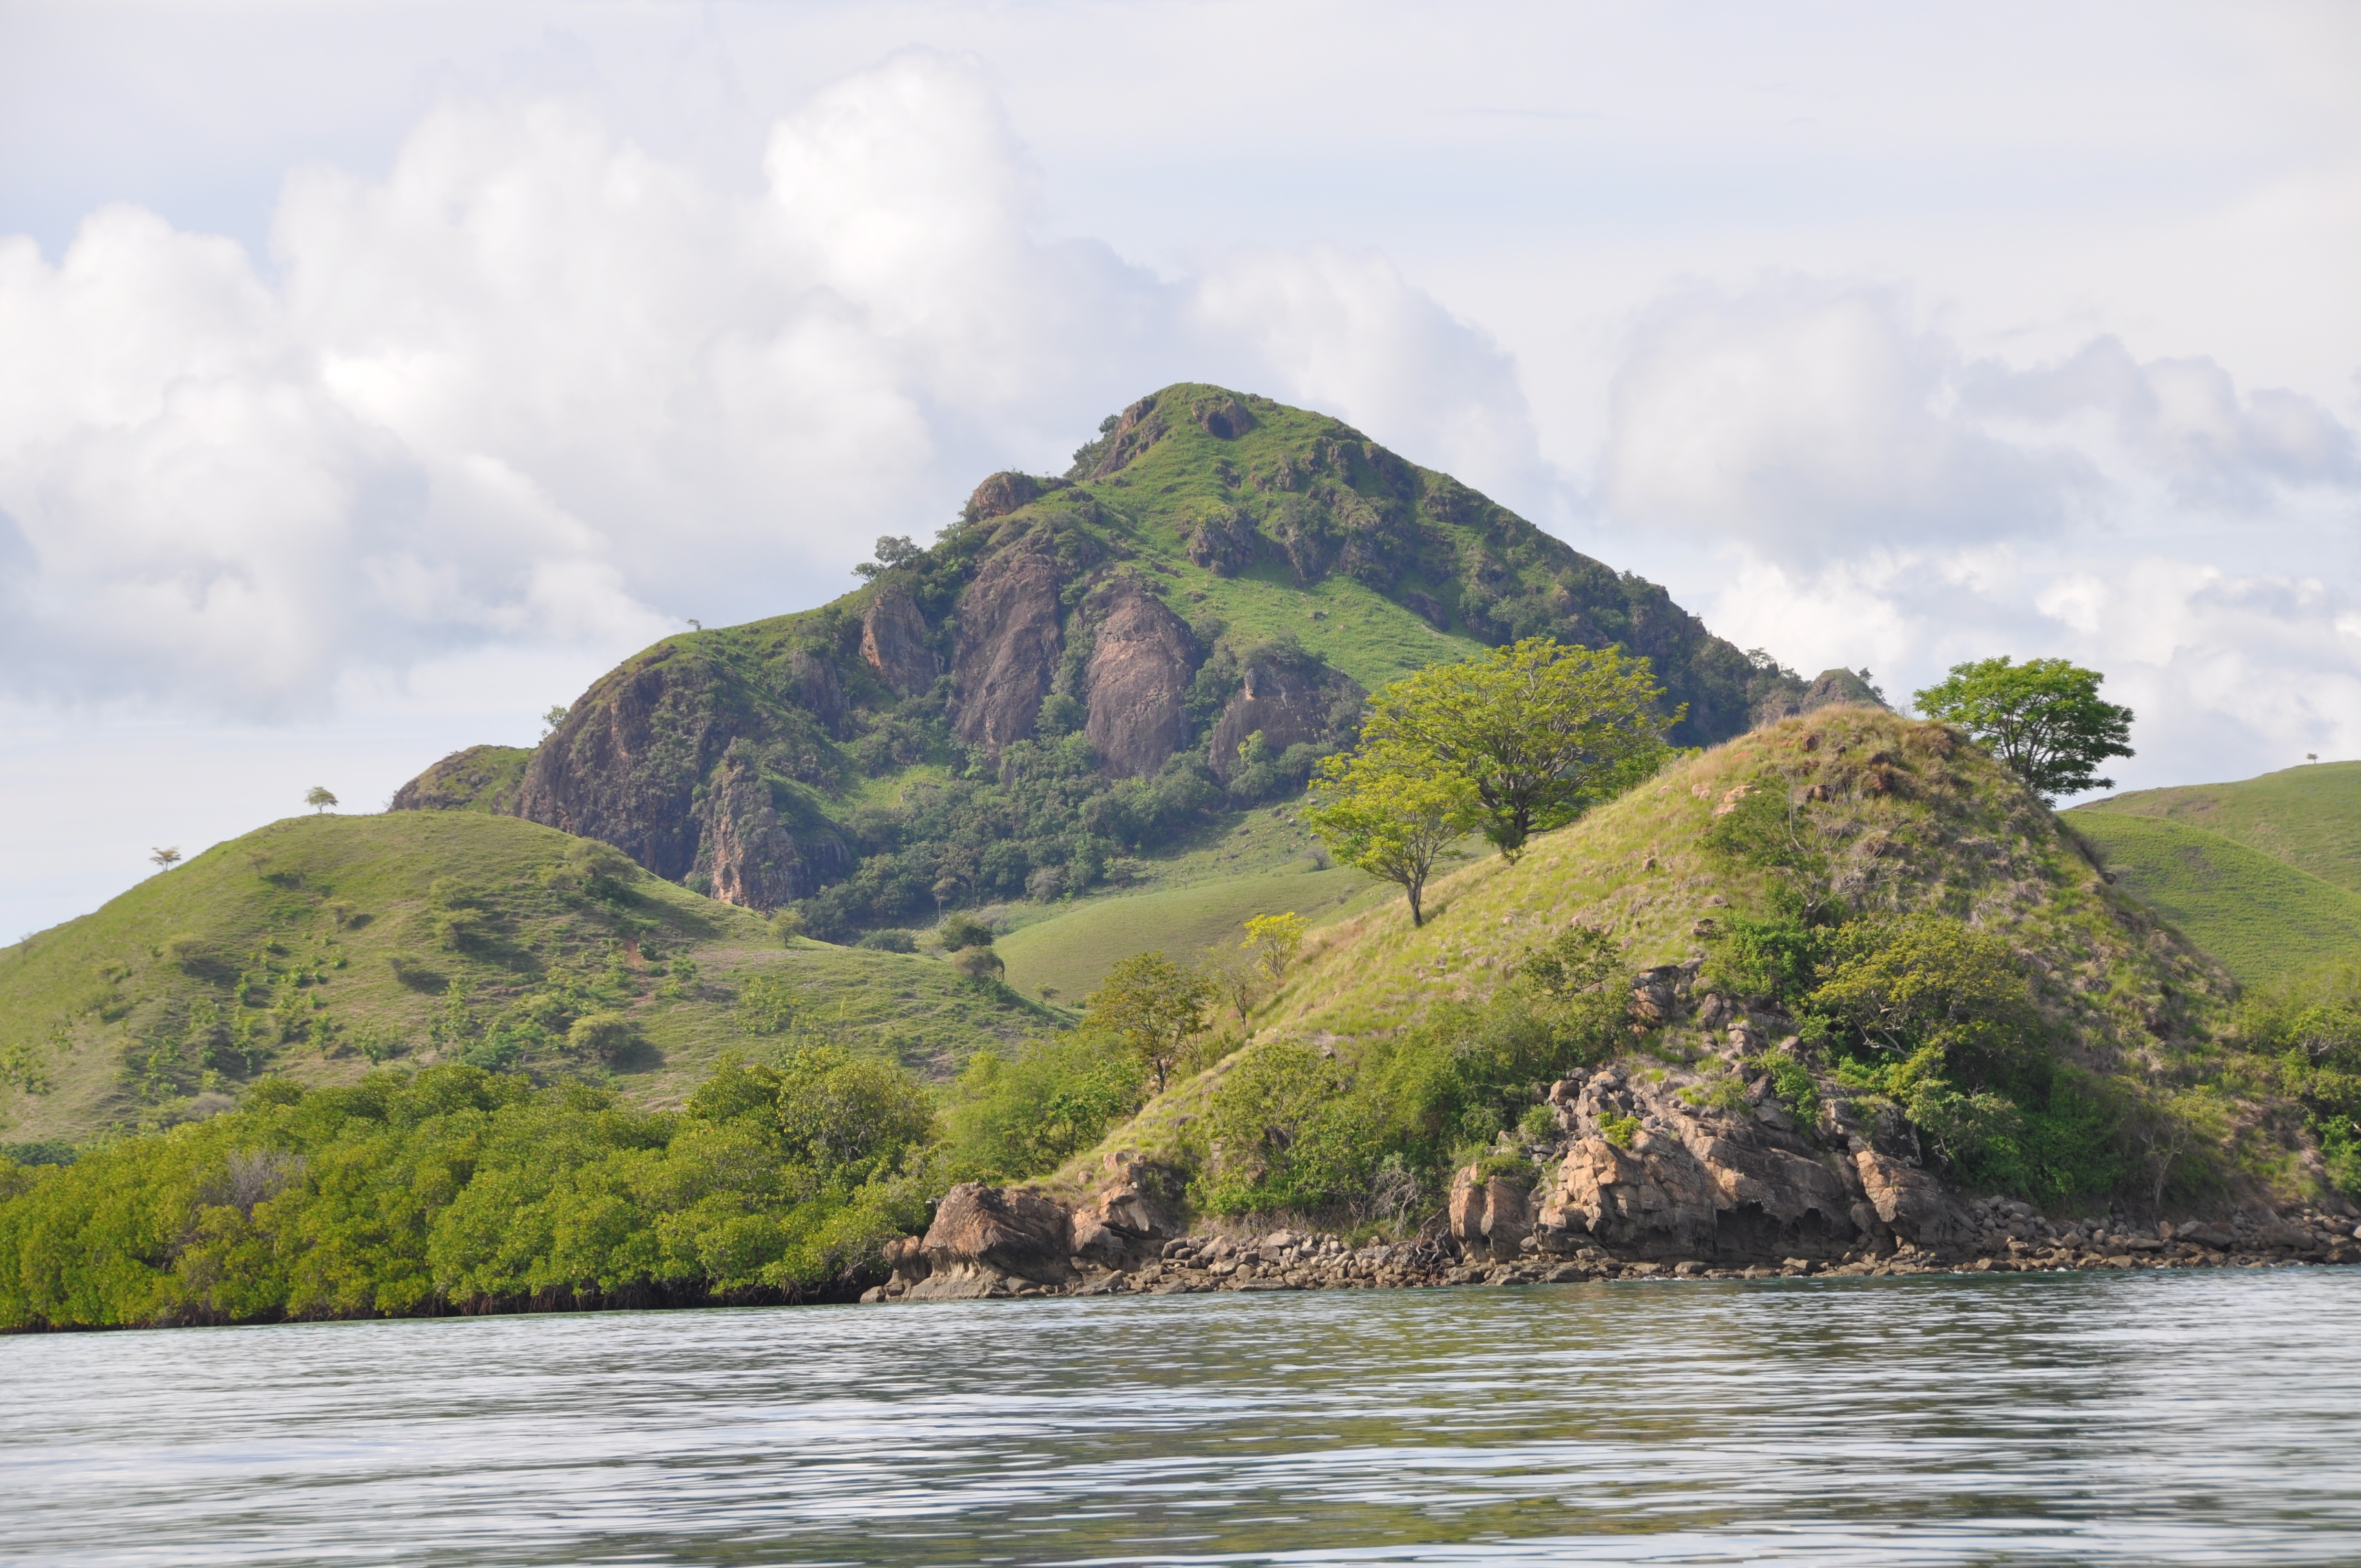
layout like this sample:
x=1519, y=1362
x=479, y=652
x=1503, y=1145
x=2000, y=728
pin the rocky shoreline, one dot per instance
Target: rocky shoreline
x=1649, y=1172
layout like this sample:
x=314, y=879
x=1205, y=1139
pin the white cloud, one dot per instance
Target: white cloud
x=1807, y=419
x=534, y=384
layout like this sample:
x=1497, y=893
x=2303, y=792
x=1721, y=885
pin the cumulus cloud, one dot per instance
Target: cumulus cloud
x=534, y=384
x=1806, y=420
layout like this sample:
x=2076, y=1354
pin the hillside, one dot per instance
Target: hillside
x=1081, y=672
x=2261, y=916
x=1897, y=833
x=2308, y=817
x=317, y=946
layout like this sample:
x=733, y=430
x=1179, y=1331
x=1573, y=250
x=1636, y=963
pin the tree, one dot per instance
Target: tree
x=1152, y=1006
x=1539, y=729
x=554, y=716
x=318, y=798
x=1273, y=939
x=1389, y=820
x=165, y=859
x=2042, y=719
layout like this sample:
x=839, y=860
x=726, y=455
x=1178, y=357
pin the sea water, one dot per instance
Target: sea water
x=2132, y=1417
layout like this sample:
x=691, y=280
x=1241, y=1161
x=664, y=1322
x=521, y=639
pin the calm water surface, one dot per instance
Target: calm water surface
x=2170, y=1418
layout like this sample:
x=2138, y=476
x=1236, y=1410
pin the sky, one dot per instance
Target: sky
x=374, y=376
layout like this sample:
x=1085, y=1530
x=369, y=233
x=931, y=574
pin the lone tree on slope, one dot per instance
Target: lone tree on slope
x=165, y=859
x=2043, y=718
x=318, y=798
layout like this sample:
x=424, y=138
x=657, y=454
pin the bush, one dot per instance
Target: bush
x=958, y=931
x=978, y=964
x=889, y=941
x=767, y=1004
x=602, y=1036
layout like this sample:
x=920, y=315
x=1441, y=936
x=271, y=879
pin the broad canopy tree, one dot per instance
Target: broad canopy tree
x=1540, y=730
x=2044, y=719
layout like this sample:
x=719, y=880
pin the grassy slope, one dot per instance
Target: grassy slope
x=1958, y=837
x=2308, y=817
x=2262, y=918
x=91, y=999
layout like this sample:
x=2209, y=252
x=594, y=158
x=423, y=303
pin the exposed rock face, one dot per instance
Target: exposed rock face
x=1693, y=1182
x=751, y=856
x=1490, y=1216
x=988, y=1241
x=1913, y=1203
x=1141, y=658
x=624, y=764
x=1286, y=704
x=817, y=687
x=1008, y=645
x=1653, y=1200
x=1140, y=428
x=894, y=642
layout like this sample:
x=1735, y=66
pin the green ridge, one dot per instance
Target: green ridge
x=334, y=919
x=2308, y=817
x=2261, y=918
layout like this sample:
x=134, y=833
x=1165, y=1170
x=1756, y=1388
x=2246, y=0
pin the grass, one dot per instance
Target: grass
x=2262, y=917
x=1072, y=951
x=2308, y=817
x=342, y=910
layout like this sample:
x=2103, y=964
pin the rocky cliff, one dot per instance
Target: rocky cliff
x=1213, y=567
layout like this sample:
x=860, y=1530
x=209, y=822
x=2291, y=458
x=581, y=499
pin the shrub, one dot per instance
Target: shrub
x=978, y=964
x=602, y=1036
x=958, y=931
x=767, y=1004
x=889, y=941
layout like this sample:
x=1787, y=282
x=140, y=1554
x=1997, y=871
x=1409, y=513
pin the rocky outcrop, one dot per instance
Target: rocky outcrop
x=1224, y=543
x=1142, y=656
x=1008, y=644
x=1829, y=688
x=1656, y=1174
x=894, y=643
x=1287, y=703
x=994, y=1241
x=1007, y=492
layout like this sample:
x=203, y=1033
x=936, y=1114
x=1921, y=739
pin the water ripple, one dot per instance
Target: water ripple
x=2149, y=1418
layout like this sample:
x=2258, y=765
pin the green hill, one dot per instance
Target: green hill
x=318, y=945
x=2263, y=918
x=1889, y=820
x=2308, y=817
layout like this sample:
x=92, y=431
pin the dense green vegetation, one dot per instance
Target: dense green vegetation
x=2042, y=719
x=2262, y=917
x=2308, y=1029
x=453, y=1187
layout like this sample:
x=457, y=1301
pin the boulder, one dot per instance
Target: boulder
x=990, y=1241
x=1142, y=656
x=1129, y=1220
x=1912, y=1202
x=1490, y=1216
x=1005, y=492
